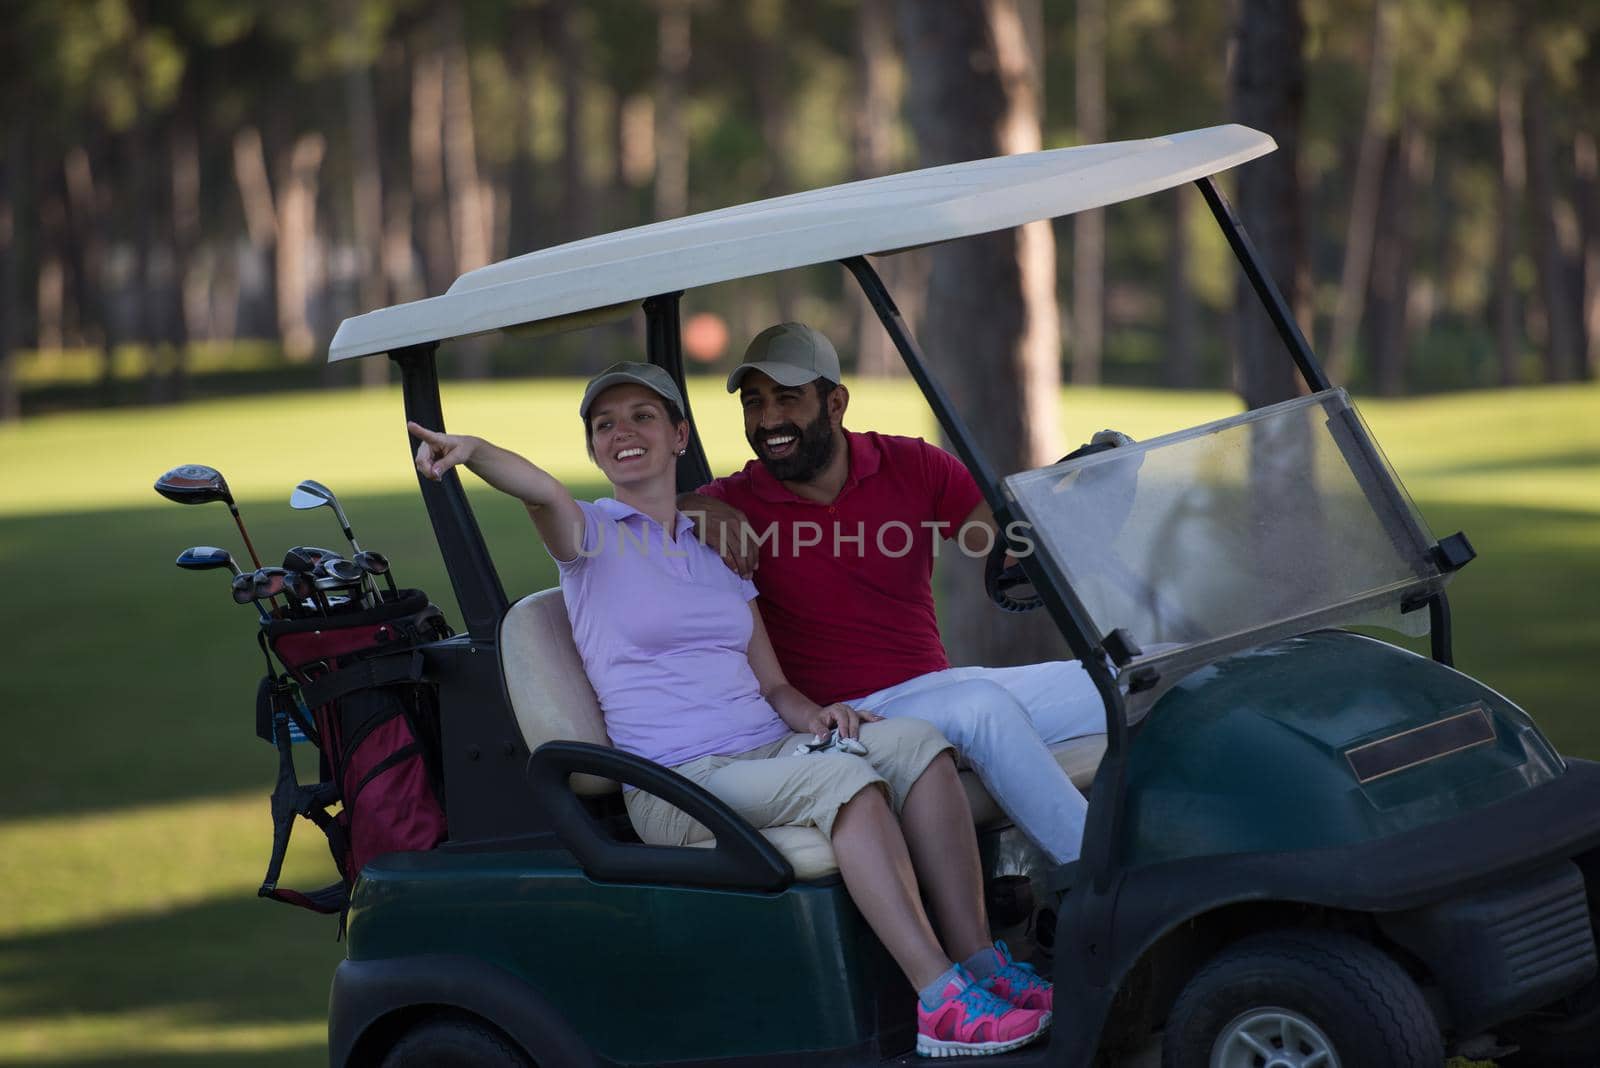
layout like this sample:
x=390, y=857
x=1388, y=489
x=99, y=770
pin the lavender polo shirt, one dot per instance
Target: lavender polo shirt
x=663, y=628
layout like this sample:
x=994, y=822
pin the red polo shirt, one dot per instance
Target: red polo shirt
x=846, y=588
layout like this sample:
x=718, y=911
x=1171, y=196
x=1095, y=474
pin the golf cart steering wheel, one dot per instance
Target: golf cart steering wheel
x=1010, y=587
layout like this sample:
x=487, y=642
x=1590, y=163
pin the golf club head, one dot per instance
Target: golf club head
x=314, y=553
x=194, y=484
x=373, y=563
x=341, y=570
x=269, y=581
x=299, y=562
x=300, y=585
x=244, y=587
x=312, y=494
x=206, y=558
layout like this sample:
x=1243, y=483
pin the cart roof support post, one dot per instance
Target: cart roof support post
x=479, y=594
x=664, y=348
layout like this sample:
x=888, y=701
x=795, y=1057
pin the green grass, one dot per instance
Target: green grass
x=133, y=819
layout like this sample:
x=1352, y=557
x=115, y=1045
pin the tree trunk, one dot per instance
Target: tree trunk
x=873, y=145
x=366, y=190
x=1182, y=370
x=51, y=291
x=1586, y=168
x=187, y=285
x=260, y=211
x=991, y=320
x=1089, y=227
x=1393, y=254
x=1512, y=177
x=770, y=49
x=522, y=57
x=470, y=212
x=13, y=189
x=402, y=270
x=572, y=40
x=427, y=163
x=671, y=137
x=297, y=230
x=1561, y=339
x=1361, y=226
x=1269, y=89
x=86, y=255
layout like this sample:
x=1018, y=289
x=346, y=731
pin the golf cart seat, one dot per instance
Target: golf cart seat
x=551, y=695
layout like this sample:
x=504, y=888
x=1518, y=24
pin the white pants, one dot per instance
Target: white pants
x=1003, y=721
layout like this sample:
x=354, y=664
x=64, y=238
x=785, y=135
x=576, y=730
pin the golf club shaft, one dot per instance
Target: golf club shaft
x=245, y=535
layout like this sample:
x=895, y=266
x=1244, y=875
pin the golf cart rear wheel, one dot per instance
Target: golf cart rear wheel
x=1298, y=998
x=454, y=1042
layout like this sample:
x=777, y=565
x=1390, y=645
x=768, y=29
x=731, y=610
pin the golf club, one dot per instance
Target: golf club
x=329, y=584
x=274, y=582
x=303, y=560
x=312, y=494
x=344, y=572
x=375, y=563
x=304, y=589
x=210, y=558
x=244, y=592
x=197, y=484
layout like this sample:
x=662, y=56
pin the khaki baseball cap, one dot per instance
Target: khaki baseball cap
x=791, y=354
x=647, y=375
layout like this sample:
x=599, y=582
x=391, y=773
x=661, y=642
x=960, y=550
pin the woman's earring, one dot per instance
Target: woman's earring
x=682, y=451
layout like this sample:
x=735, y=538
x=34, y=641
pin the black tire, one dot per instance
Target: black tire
x=1363, y=1004
x=454, y=1042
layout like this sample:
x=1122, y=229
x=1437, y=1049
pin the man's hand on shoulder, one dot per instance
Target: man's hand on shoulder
x=724, y=528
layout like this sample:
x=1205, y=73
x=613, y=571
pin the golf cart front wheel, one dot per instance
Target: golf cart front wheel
x=1294, y=999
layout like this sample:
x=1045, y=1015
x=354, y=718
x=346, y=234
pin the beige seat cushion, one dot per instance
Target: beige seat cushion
x=552, y=698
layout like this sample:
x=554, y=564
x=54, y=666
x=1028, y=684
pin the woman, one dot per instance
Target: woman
x=675, y=648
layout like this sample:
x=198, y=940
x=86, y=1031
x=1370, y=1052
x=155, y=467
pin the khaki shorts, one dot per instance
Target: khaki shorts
x=771, y=788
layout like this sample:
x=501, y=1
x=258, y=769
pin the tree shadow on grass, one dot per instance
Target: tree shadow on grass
x=230, y=961
x=1557, y=461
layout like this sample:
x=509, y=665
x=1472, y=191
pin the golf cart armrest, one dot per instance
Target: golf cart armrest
x=741, y=859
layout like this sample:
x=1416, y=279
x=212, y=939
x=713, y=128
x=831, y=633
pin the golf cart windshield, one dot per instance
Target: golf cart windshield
x=1211, y=540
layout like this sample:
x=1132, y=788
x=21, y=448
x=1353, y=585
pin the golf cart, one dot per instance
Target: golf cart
x=1305, y=846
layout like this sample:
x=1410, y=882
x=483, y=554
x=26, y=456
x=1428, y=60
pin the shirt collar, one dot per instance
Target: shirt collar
x=864, y=462
x=614, y=509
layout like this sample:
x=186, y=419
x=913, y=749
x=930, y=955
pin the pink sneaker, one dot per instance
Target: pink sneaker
x=1019, y=984
x=972, y=1022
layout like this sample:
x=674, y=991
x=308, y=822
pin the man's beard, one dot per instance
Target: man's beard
x=813, y=449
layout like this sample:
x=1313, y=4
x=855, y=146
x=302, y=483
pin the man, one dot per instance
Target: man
x=847, y=526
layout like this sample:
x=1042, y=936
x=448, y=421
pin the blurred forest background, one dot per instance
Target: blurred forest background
x=195, y=194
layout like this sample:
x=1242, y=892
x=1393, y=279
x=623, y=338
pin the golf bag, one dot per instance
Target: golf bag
x=354, y=686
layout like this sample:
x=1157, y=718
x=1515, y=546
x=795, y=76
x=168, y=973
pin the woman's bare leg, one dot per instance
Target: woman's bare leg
x=937, y=824
x=877, y=871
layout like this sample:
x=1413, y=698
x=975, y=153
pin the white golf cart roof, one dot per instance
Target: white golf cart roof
x=590, y=280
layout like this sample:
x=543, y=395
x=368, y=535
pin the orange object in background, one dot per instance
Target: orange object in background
x=705, y=337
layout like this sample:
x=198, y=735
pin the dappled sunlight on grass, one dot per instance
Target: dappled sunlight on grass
x=145, y=859
x=164, y=1036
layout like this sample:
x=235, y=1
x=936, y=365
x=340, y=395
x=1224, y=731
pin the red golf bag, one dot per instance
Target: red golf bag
x=355, y=688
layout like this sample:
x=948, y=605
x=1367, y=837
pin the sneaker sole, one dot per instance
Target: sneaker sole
x=928, y=1046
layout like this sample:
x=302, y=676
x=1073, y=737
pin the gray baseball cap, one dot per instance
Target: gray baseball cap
x=791, y=354
x=647, y=375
